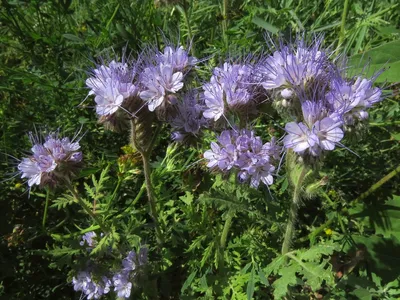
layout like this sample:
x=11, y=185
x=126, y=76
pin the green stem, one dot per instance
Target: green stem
x=343, y=22
x=382, y=124
x=151, y=197
x=95, y=217
x=227, y=226
x=46, y=206
x=225, y=21
x=298, y=184
x=145, y=153
x=184, y=12
x=378, y=184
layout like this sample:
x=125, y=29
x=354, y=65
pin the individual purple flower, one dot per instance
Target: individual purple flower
x=122, y=285
x=55, y=160
x=188, y=119
x=112, y=84
x=318, y=132
x=230, y=87
x=223, y=155
x=89, y=238
x=159, y=82
x=245, y=152
x=129, y=262
x=352, y=98
x=177, y=57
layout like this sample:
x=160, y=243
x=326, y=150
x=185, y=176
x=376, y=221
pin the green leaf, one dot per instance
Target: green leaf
x=382, y=255
x=288, y=278
x=188, y=281
x=250, y=284
x=384, y=56
x=73, y=38
x=263, y=278
x=188, y=198
x=384, y=218
x=362, y=294
x=263, y=24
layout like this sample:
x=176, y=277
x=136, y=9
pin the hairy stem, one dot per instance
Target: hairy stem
x=227, y=226
x=145, y=153
x=46, y=206
x=151, y=196
x=343, y=22
x=296, y=197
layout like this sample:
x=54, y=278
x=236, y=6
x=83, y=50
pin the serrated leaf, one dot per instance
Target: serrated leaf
x=317, y=251
x=288, y=278
x=188, y=198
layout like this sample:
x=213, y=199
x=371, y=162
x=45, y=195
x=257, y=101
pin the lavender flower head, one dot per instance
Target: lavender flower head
x=316, y=133
x=294, y=66
x=89, y=238
x=163, y=76
x=188, y=119
x=52, y=162
x=351, y=98
x=93, y=290
x=122, y=285
x=230, y=88
x=245, y=152
x=112, y=84
x=121, y=280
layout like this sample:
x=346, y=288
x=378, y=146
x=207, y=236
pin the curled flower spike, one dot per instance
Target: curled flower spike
x=245, y=152
x=294, y=66
x=230, y=88
x=188, y=119
x=318, y=132
x=53, y=162
x=163, y=75
x=352, y=98
x=112, y=84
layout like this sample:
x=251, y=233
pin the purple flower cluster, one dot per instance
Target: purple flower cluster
x=230, y=88
x=322, y=101
x=111, y=85
x=318, y=132
x=351, y=98
x=121, y=280
x=53, y=161
x=295, y=66
x=188, y=119
x=163, y=76
x=93, y=290
x=244, y=151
